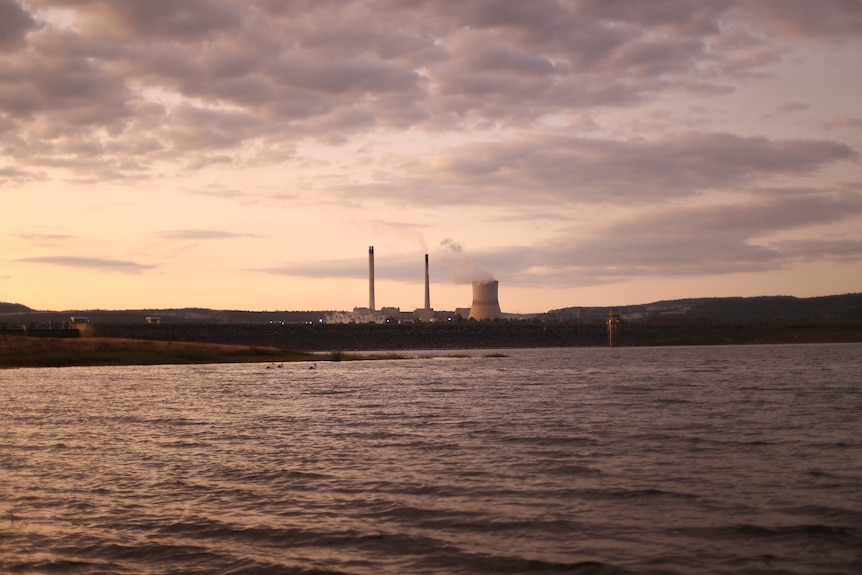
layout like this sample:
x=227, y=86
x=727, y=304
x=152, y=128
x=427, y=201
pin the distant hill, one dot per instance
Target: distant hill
x=13, y=308
x=17, y=314
x=835, y=307
x=845, y=307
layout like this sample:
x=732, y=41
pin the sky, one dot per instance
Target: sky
x=245, y=155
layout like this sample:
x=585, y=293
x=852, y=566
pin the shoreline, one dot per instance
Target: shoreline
x=23, y=352
x=17, y=351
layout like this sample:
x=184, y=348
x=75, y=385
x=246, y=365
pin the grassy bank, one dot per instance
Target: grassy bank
x=20, y=351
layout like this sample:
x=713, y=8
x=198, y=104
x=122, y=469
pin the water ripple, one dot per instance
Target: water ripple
x=593, y=461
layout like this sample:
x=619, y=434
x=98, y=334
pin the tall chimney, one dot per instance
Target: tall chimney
x=485, y=302
x=427, y=285
x=371, y=278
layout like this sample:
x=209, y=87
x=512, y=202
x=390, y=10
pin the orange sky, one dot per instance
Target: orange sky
x=230, y=155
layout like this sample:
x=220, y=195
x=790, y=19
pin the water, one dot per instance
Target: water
x=643, y=460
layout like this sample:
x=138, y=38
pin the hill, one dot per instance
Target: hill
x=836, y=307
x=846, y=307
x=705, y=321
x=13, y=308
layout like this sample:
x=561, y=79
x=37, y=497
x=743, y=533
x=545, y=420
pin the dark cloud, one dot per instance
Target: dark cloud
x=192, y=128
x=685, y=241
x=17, y=176
x=535, y=105
x=670, y=242
x=575, y=170
x=99, y=264
x=691, y=241
x=67, y=88
x=162, y=19
x=15, y=24
x=820, y=250
x=134, y=82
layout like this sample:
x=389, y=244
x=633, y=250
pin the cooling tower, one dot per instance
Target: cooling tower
x=485, y=303
x=371, y=278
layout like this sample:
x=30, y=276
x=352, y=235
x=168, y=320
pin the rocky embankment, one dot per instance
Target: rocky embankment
x=490, y=334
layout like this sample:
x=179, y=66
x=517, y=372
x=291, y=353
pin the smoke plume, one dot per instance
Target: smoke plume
x=464, y=269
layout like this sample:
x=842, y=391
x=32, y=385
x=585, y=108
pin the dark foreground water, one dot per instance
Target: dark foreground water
x=643, y=460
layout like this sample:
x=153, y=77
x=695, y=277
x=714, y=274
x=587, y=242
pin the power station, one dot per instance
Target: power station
x=486, y=304
x=426, y=313
x=371, y=278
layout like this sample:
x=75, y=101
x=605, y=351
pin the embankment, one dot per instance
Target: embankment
x=492, y=334
x=24, y=351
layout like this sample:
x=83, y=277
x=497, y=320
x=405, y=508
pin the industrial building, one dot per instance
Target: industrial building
x=485, y=304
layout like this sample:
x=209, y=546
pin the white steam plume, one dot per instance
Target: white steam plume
x=464, y=269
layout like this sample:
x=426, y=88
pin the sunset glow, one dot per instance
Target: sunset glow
x=244, y=155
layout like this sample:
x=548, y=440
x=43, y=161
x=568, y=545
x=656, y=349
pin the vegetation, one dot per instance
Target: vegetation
x=127, y=344
x=497, y=334
x=763, y=308
x=21, y=351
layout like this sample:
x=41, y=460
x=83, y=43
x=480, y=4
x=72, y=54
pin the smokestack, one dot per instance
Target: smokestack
x=427, y=285
x=485, y=302
x=371, y=278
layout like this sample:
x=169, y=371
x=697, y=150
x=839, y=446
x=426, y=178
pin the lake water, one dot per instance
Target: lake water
x=738, y=459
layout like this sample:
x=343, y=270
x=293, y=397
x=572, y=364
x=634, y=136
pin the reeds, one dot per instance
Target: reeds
x=22, y=351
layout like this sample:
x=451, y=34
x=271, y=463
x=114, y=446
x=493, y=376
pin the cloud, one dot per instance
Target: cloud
x=155, y=18
x=691, y=241
x=680, y=241
x=15, y=24
x=476, y=112
x=683, y=241
x=220, y=191
x=43, y=240
x=202, y=235
x=570, y=170
x=851, y=123
x=449, y=263
x=819, y=250
x=790, y=107
x=327, y=269
x=798, y=19
x=43, y=237
x=412, y=234
x=16, y=176
x=131, y=83
x=99, y=264
x=356, y=268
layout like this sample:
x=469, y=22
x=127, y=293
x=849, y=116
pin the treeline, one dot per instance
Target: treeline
x=13, y=314
x=495, y=334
